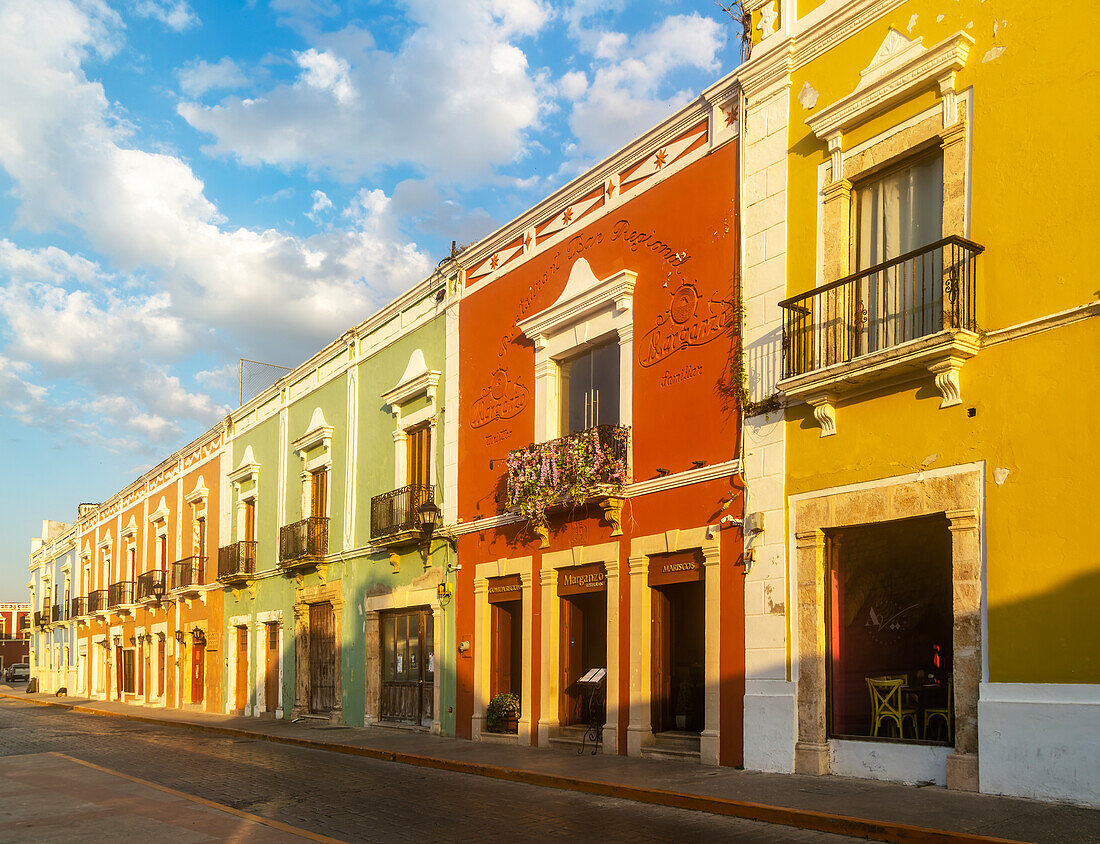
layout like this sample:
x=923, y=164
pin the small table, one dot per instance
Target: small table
x=925, y=694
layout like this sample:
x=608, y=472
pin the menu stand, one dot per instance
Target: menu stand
x=592, y=686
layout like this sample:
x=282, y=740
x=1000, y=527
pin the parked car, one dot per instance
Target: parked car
x=19, y=672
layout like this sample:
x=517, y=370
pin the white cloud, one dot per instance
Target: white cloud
x=573, y=85
x=630, y=74
x=177, y=15
x=199, y=77
x=321, y=203
x=455, y=98
x=174, y=279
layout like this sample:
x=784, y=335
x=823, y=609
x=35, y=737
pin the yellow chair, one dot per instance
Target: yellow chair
x=886, y=705
x=947, y=714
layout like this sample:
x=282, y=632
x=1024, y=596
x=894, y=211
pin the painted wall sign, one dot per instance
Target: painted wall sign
x=503, y=589
x=502, y=399
x=687, y=322
x=580, y=580
x=682, y=567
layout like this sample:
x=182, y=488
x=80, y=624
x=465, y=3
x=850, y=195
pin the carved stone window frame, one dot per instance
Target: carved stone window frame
x=197, y=499
x=417, y=380
x=247, y=471
x=588, y=312
x=318, y=434
x=955, y=492
x=901, y=69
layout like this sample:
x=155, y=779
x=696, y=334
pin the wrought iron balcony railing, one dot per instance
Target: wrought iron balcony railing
x=58, y=613
x=41, y=619
x=151, y=585
x=922, y=292
x=396, y=512
x=304, y=541
x=78, y=607
x=188, y=572
x=97, y=601
x=120, y=594
x=237, y=562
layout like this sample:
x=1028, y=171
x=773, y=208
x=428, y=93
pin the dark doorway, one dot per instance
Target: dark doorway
x=408, y=666
x=679, y=648
x=322, y=658
x=241, y=702
x=583, y=647
x=198, y=671
x=507, y=654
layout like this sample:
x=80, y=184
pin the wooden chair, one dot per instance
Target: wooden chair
x=947, y=714
x=886, y=705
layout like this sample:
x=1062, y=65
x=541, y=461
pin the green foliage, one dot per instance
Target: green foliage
x=501, y=707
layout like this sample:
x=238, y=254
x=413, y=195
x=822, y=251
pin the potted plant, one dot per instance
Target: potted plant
x=502, y=716
x=685, y=703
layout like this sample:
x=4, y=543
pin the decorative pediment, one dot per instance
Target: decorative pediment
x=318, y=433
x=247, y=469
x=900, y=68
x=416, y=379
x=161, y=513
x=105, y=542
x=130, y=529
x=197, y=495
x=584, y=294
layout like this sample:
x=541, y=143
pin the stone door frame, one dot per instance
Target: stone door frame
x=957, y=493
x=330, y=593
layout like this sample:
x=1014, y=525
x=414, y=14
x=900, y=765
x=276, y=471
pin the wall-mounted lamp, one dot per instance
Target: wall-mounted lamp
x=179, y=636
x=161, y=636
x=117, y=640
x=429, y=518
x=662, y=471
x=133, y=641
x=198, y=635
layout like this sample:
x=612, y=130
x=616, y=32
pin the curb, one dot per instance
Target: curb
x=785, y=816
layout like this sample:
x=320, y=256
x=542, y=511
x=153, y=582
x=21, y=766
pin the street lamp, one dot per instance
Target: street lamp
x=429, y=518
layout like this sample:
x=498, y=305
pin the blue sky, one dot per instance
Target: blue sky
x=185, y=183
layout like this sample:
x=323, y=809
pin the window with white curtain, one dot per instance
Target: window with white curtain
x=895, y=214
x=590, y=389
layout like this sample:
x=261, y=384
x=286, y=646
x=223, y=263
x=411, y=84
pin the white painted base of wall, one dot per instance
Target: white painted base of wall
x=1040, y=740
x=883, y=760
x=770, y=725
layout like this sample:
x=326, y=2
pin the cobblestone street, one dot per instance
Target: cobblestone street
x=351, y=798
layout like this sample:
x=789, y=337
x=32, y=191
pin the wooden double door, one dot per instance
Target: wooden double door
x=408, y=666
x=678, y=652
x=322, y=658
x=583, y=647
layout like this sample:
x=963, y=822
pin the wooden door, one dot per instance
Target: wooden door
x=198, y=671
x=572, y=648
x=500, y=677
x=318, y=498
x=408, y=667
x=161, y=662
x=242, y=669
x=271, y=669
x=419, y=443
x=119, y=671
x=662, y=663
x=250, y=520
x=322, y=658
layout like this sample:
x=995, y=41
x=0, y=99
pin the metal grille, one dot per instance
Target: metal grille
x=922, y=292
x=120, y=593
x=307, y=539
x=78, y=607
x=188, y=572
x=397, y=511
x=255, y=377
x=97, y=600
x=151, y=584
x=237, y=561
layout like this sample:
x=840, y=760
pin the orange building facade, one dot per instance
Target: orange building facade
x=148, y=607
x=599, y=495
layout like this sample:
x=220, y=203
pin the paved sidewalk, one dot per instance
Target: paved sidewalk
x=882, y=811
x=133, y=809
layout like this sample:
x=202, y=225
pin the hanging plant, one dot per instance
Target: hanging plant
x=567, y=471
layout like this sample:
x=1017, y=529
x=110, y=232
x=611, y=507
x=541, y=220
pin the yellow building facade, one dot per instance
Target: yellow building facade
x=921, y=346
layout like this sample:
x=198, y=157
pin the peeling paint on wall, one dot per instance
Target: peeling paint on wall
x=807, y=96
x=912, y=23
x=994, y=53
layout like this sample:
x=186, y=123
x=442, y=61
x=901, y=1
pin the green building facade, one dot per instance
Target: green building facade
x=337, y=607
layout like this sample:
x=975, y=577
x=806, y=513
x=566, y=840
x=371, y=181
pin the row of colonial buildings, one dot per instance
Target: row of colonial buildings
x=765, y=442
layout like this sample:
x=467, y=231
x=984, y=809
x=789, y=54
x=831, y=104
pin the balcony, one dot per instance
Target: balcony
x=97, y=601
x=78, y=607
x=120, y=594
x=893, y=322
x=237, y=562
x=587, y=466
x=394, y=516
x=188, y=574
x=58, y=613
x=303, y=543
x=42, y=619
x=152, y=585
